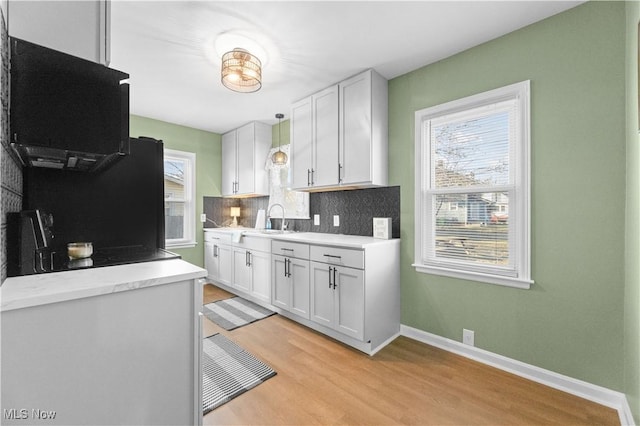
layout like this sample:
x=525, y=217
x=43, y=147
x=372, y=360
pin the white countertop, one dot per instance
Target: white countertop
x=41, y=289
x=337, y=240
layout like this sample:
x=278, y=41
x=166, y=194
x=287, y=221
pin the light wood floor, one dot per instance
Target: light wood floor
x=321, y=381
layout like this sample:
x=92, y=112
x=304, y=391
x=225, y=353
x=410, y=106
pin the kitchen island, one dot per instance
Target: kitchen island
x=112, y=345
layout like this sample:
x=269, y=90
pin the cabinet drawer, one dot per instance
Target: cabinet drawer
x=254, y=243
x=213, y=237
x=338, y=256
x=297, y=250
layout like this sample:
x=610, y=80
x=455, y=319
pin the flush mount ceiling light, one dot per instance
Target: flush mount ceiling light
x=279, y=157
x=241, y=71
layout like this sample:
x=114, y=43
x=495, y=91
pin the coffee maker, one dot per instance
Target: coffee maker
x=29, y=243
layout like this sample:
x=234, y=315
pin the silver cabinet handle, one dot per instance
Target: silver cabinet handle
x=333, y=256
x=287, y=267
x=334, y=277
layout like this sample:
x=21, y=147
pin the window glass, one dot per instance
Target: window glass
x=472, y=187
x=179, y=198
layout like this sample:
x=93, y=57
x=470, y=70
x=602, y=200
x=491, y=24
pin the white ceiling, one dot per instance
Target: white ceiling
x=168, y=48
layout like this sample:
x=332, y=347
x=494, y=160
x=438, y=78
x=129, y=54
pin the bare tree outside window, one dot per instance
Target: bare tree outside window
x=470, y=156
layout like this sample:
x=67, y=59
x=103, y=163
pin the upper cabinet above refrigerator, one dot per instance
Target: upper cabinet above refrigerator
x=79, y=28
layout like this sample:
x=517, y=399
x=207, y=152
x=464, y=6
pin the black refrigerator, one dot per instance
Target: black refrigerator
x=120, y=209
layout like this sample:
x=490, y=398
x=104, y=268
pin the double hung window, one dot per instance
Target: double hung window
x=179, y=198
x=472, y=187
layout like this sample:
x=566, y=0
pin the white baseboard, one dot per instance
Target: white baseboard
x=591, y=392
x=626, y=417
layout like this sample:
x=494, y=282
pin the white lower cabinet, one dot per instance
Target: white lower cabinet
x=243, y=267
x=337, y=298
x=242, y=272
x=225, y=271
x=217, y=261
x=251, y=272
x=290, y=277
x=348, y=292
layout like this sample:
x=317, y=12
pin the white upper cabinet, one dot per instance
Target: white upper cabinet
x=79, y=28
x=229, y=163
x=314, y=128
x=302, y=150
x=244, y=152
x=363, y=130
x=339, y=135
x=325, y=131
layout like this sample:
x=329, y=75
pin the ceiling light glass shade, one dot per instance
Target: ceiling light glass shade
x=279, y=158
x=241, y=71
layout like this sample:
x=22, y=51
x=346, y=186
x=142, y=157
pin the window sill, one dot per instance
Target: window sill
x=181, y=245
x=475, y=276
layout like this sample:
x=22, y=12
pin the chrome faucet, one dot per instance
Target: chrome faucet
x=269, y=214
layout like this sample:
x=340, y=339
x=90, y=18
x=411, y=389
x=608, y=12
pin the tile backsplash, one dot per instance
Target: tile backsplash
x=10, y=168
x=356, y=209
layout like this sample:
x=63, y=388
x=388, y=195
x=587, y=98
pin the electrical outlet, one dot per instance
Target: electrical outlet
x=316, y=219
x=468, y=337
x=203, y=218
x=336, y=220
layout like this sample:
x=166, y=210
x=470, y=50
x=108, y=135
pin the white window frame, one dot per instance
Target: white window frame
x=189, y=200
x=520, y=230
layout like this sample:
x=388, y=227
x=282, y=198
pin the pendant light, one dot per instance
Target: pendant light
x=279, y=157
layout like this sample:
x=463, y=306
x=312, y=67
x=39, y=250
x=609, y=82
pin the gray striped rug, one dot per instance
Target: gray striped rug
x=235, y=312
x=228, y=371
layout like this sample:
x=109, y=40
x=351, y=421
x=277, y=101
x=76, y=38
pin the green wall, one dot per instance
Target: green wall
x=571, y=320
x=632, y=249
x=208, y=150
x=284, y=132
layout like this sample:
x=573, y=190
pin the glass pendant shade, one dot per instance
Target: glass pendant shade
x=279, y=157
x=241, y=71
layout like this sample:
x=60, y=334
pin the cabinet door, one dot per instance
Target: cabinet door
x=241, y=270
x=260, y=275
x=325, y=135
x=246, y=166
x=229, y=163
x=355, y=129
x=301, y=143
x=349, y=311
x=299, y=270
x=225, y=265
x=280, y=283
x=211, y=260
x=322, y=295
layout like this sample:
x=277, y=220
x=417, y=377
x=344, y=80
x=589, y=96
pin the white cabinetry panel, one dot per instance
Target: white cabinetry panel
x=339, y=136
x=79, y=28
x=244, y=152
